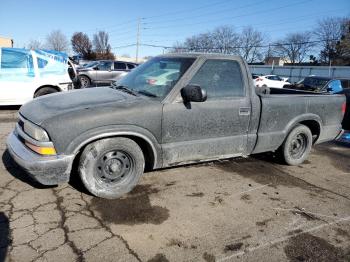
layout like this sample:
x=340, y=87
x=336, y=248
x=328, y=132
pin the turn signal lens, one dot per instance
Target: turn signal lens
x=48, y=151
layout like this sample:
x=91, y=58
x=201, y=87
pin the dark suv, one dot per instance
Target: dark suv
x=103, y=72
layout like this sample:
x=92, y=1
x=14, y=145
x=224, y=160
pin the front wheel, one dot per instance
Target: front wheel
x=111, y=167
x=84, y=81
x=297, y=146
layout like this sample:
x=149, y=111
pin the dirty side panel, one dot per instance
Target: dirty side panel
x=280, y=113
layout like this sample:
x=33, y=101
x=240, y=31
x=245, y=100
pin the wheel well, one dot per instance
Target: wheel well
x=314, y=127
x=54, y=87
x=143, y=144
x=84, y=76
x=147, y=151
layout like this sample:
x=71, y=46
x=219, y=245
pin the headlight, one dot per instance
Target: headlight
x=35, y=132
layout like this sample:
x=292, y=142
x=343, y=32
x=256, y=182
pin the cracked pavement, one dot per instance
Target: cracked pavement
x=236, y=210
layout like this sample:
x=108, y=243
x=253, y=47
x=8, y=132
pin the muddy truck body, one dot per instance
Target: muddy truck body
x=172, y=110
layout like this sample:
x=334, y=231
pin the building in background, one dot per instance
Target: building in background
x=130, y=59
x=6, y=42
x=274, y=60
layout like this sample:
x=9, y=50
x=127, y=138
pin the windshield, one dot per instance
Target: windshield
x=156, y=77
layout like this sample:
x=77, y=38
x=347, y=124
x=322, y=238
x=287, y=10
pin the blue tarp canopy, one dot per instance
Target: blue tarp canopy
x=16, y=62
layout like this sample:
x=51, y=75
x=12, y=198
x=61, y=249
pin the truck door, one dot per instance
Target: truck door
x=214, y=128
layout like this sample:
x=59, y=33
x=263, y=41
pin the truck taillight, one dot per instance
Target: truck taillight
x=343, y=108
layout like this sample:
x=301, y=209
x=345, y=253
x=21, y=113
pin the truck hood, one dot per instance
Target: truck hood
x=46, y=107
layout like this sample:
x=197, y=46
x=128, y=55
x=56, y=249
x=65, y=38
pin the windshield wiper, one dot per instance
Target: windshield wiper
x=125, y=89
x=146, y=93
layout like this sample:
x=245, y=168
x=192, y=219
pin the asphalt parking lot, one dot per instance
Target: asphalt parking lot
x=251, y=209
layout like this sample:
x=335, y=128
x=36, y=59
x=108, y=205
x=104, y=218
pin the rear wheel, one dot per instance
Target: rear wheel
x=45, y=91
x=112, y=167
x=297, y=146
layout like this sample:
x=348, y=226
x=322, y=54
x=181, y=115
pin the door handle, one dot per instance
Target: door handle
x=244, y=111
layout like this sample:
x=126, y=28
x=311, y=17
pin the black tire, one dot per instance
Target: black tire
x=45, y=91
x=85, y=81
x=297, y=146
x=110, y=168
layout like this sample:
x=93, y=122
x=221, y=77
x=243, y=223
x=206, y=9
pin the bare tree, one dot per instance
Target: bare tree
x=250, y=44
x=56, y=40
x=329, y=31
x=177, y=47
x=197, y=43
x=343, y=47
x=82, y=45
x=102, y=46
x=226, y=40
x=34, y=44
x=295, y=47
x=221, y=40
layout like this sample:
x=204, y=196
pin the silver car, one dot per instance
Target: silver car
x=103, y=72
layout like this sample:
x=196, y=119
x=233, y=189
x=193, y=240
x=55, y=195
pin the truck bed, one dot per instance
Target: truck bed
x=285, y=91
x=282, y=108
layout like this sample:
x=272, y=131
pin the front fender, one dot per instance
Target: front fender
x=76, y=145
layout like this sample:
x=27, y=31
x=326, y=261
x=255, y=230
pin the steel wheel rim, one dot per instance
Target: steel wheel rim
x=113, y=167
x=298, y=146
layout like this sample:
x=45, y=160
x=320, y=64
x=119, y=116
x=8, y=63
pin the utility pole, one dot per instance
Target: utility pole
x=138, y=39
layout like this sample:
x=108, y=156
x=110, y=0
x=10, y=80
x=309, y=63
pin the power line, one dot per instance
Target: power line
x=270, y=23
x=188, y=9
x=239, y=47
x=123, y=46
x=112, y=26
x=155, y=16
x=209, y=13
x=231, y=17
x=228, y=47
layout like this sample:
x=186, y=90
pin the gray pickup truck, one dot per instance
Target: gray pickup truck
x=172, y=110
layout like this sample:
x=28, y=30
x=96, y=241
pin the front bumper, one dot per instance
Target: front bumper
x=47, y=170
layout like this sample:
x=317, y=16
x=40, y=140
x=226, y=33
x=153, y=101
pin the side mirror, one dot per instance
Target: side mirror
x=193, y=93
x=95, y=68
x=329, y=89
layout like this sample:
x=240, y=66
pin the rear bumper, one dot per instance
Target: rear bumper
x=330, y=133
x=47, y=170
x=339, y=136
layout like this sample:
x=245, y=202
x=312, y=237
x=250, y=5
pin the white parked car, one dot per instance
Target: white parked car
x=270, y=81
x=26, y=74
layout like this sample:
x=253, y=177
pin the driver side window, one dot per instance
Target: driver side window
x=220, y=78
